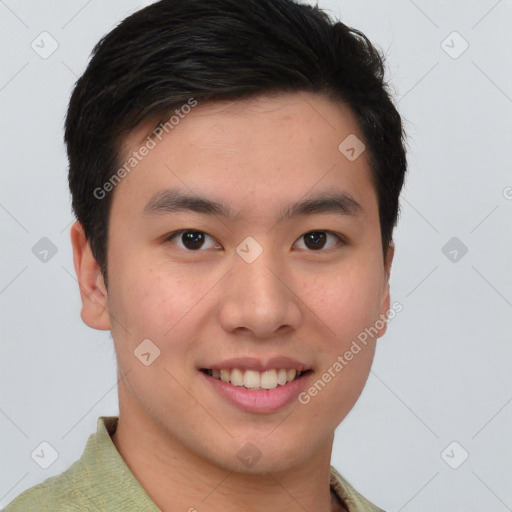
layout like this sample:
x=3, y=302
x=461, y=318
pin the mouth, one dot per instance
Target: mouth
x=255, y=380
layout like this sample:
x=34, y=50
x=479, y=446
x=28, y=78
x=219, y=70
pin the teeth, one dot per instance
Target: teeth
x=269, y=379
x=291, y=375
x=253, y=379
x=237, y=377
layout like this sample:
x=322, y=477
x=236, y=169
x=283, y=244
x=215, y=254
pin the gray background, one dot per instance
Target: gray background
x=442, y=371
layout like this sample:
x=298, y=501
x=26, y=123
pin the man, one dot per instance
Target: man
x=235, y=168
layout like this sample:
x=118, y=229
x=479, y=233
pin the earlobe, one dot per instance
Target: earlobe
x=92, y=287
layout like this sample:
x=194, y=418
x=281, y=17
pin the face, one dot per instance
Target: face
x=261, y=280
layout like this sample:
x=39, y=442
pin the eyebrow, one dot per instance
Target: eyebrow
x=171, y=201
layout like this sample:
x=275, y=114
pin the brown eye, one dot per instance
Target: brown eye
x=190, y=239
x=316, y=240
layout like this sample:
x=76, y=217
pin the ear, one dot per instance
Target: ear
x=93, y=291
x=385, y=296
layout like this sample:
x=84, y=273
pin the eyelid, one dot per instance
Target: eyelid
x=170, y=236
x=342, y=240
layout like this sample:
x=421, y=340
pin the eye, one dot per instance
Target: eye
x=191, y=239
x=194, y=240
x=316, y=240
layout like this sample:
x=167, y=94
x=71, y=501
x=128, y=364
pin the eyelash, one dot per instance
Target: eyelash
x=341, y=238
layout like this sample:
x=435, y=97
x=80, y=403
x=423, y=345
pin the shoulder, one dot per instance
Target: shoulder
x=355, y=501
x=99, y=481
x=58, y=493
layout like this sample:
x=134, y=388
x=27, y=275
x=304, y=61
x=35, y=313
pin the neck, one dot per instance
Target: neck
x=178, y=479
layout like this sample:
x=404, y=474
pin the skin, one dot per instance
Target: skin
x=178, y=436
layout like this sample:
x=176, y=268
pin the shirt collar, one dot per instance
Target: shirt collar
x=105, y=477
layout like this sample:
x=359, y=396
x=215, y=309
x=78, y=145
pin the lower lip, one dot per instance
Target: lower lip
x=259, y=400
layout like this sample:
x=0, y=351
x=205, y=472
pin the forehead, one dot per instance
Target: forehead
x=269, y=148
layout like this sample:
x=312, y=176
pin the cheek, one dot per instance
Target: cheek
x=156, y=305
x=160, y=303
x=345, y=301
x=151, y=302
x=348, y=303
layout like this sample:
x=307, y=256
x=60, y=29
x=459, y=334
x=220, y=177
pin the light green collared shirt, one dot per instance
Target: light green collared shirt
x=100, y=481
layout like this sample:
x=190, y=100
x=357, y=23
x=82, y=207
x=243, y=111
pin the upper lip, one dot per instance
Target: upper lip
x=252, y=363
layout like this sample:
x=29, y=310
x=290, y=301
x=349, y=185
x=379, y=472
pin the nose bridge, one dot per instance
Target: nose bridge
x=259, y=280
x=256, y=297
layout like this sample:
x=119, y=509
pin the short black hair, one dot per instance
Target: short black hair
x=160, y=57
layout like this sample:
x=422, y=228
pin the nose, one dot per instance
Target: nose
x=259, y=298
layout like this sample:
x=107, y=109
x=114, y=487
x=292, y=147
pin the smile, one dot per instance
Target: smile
x=255, y=380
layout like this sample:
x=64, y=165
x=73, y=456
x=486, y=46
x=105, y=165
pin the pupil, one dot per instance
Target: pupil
x=192, y=239
x=317, y=238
